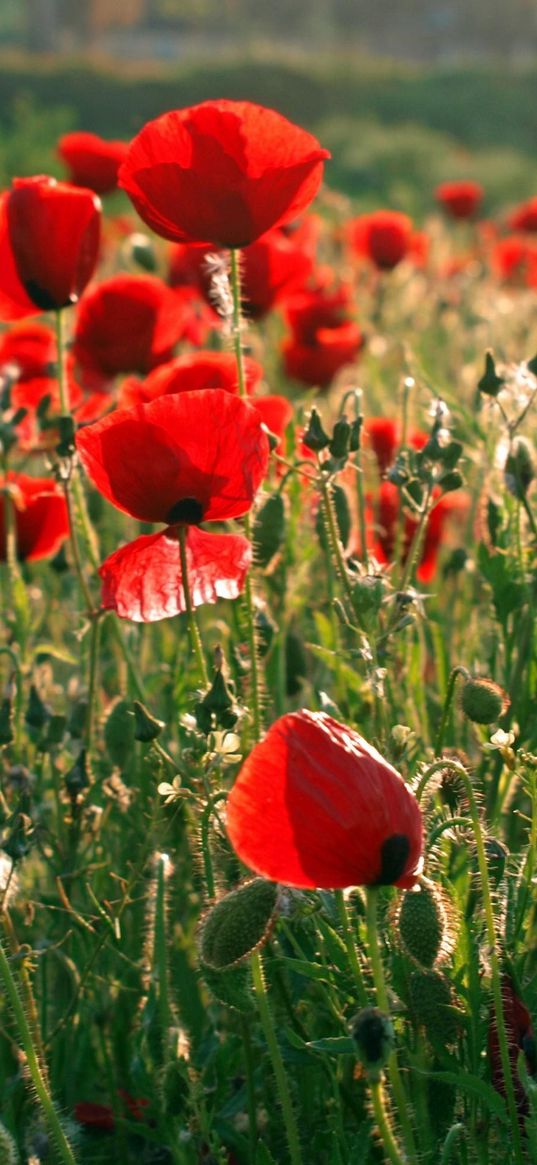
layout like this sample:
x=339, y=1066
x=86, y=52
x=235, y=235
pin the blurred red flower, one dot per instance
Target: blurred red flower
x=194, y=370
x=30, y=348
x=315, y=805
x=183, y=459
x=92, y=161
x=221, y=173
x=128, y=323
x=524, y=217
x=514, y=259
x=49, y=245
x=383, y=435
x=520, y=1038
x=460, y=199
x=382, y=512
x=41, y=518
x=323, y=338
x=384, y=237
x=94, y=1116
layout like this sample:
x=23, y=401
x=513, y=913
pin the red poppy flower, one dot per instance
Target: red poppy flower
x=276, y=413
x=384, y=237
x=196, y=370
x=92, y=161
x=383, y=435
x=524, y=217
x=182, y=459
x=324, y=339
x=49, y=245
x=30, y=348
x=315, y=805
x=41, y=518
x=221, y=173
x=143, y=581
x=520, y=1038
x=514, y=259
x=128, y=323
x=460, y=199
x=190, y=457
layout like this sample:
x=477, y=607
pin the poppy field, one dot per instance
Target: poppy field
x=268, y=665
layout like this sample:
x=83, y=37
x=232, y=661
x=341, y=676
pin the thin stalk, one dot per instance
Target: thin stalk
x=63, y=386
x=210, y=807
x=250, y=1085
x=495, y=969
x=383, y=1124
x=92, y=684
x=439, y=742
x=282, y=1087
x=382, y=1002
x=32, y=1061
x=235, y=280
x=351, y=948
x=159, y=956
x=193, y=628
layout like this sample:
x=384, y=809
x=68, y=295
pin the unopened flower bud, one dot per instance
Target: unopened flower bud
x=490, y=383
x=238, y=924
x=340, y=441
x=520, y=467
x=37, y=713
x=146, y=726
x=373, y=1034
x=421, y=922
x=77, y=779
x=483, y=701
x=315, y=437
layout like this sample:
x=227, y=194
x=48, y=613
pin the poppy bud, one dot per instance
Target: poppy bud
x=483, y=701
x=119, y=733
x=355, y=434
x=55, y=733
x=217, y=705
x=367, y=595
x=146, y=726
x=37, y=713
x=451, y=481
x=315, y=437
x=238, y=924
x=340, y=441
x=231, y=987
x=269, y=528
x=431, y=1001
x=265, y=630
x=373, y=1034
x=8, y=1149
x=490, y=383
x=421, y=922
x=531, y=365
x=520, y=467
x=77, y=779
x=6, y=721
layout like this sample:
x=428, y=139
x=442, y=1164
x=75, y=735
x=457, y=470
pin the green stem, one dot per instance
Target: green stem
x=235, y=280
x=381, y=993
x=439, y=742
x=351, y=948
x=383, y=1124
x=159, y=955
x=205, y=844
x=92, y=684
x=455, y=1132
x=32, y=1061
x=250, y=1085
x=495, y=968
x=193, y=628
x=282, y=1086
x=63, y=386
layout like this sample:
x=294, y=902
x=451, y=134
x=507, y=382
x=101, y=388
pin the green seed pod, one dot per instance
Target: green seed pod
x=431, y=1002
x=77, y=779
x=483, y=701
x=367, y=595
x=490, y=383
x=238, y=924
x=421, y=922
x=373, y=1034
x=340, y=441
x=119, y=732
x=269, y=529
x=146, y=726
x=520, y=467
x=174, y=1087
x=315, y=437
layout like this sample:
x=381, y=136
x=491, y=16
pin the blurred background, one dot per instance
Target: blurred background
x=406, y=93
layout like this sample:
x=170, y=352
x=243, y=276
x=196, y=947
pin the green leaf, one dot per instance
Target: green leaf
x=472, y=1086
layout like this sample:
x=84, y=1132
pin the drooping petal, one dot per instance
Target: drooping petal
x=315, y=805
x=41, y=518
x=143, y=580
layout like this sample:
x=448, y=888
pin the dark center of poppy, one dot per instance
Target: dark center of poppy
x=393, y=859
x=187, y=510
x=43, y=298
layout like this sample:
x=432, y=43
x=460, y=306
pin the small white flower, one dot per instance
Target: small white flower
x=171, y=792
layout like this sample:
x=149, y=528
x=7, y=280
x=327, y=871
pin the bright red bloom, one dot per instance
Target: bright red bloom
x=30, y=347
x=384, y=237
x=182, y=459
x=128, y=323
x=143, y=581
x=520, y=1038
x=524, y=218
x=515, y=259
x=190, y=457
x=92, y=161
x=221, y=173
x=315, y=805
x=41, y=518
x=384, y=437
x=195, y=370
x=460, y=199
x=49, y=245
x=324, y=338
